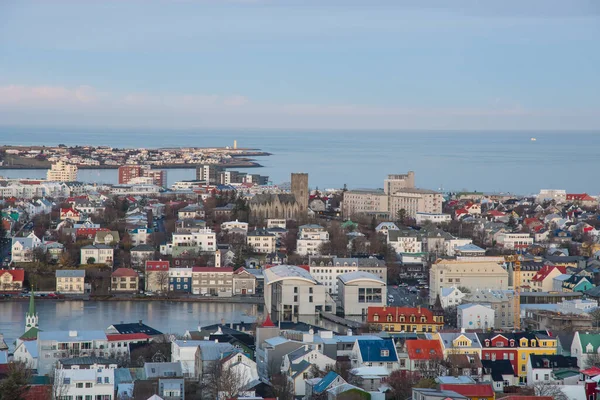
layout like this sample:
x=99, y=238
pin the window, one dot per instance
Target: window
x=79, y=385
x=88, y=385
x=310, y=298
x=67, y=381
x=106, y=379
x=385, y=353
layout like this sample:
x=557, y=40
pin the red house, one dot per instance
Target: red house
x=69, y=213
x=89, y=233
x=496, y=346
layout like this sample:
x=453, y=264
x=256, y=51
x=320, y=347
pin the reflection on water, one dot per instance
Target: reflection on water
x=168, y=317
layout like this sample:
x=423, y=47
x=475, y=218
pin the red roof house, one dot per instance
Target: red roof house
x=157, y=265
x=423, y=349
x=473, y=391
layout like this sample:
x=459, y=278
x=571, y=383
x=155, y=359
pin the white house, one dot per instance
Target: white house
x=375, y=353
x=405, y=241
x=262, y=241
x=475, y=316
x=422, y=217
x=27, y=352
x=94, y=383
x=514, y=240
x=204, y=239
x=451, y=296
x=229, y=225
x=359, y=290
x=308, y=354
x=384, y=227
x=184, y=351
x=22, y=248
x=97, y=254
x=310, y=239
x=540, y=368
x=583, y=345
x=243, y=369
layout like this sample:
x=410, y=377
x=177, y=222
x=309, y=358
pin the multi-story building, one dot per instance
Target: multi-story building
x=22, y=248
x=405, y=319
x=422, y=217
x=516, y=347
x=405, y=241
x=55, y=345
x=180, y=280
x=357, y=291
x=157, y=275
x=471, y=274
x=326, y=269
x=515, y=240
x=262, y=241
x=124, y=280
x=95, y=382
x=291, y=291
x=62, y=172
x=458, y=343
x=475, y=316
x=11, y=279
x=397, y=182
x=364, y=201
x=413, y=201
x=501, y=301
x=209, y=173
x=276, y=223
x=203, y=240
x=132, y=173
x=310, y=239
x=212, y=280
x=97, y=254
x=244, y=283
x=229, y=225
x=70, y=281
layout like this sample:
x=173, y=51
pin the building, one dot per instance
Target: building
x=157, y=276
x=55, y=345
x=475, y=391
x=326, y=269
x=180, y=280
x=413, y=200
x=458, y=343
x=93, y=383
x=230, y=225
x=62, y=172
x=436, y=394
x=209, y=173
x=124, y=280
x=475, y=316
x=471, y=274
x=557, y=195
x=132, y=173
x=367, y=353
x=213, y=281
x=244, y=283
x=541, y=368
x=274, y=206
x=364, y=201
x=357, y=291
x=97, y=254
x=451, y=297
x=543, y=280
x=300, y=190
x=555, y=321
x=501, y=301
x=585, y=345
x=405, y=319
x=511, y=241
x=425, y=357
x=422, y=217
x=70, y=281
x=397, y=182
x=291, y=291
x=11, y=280
x=107, y=237
x=310, y=239
x=516, y=347
x=262, y=241
x=22, y=248
x=141, y=253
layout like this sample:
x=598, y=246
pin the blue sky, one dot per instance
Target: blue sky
x=302, y=64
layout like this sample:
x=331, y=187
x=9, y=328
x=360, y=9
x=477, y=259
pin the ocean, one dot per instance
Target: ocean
x=442, y=160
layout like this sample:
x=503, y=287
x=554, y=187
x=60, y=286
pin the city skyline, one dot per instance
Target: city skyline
x=306, y=65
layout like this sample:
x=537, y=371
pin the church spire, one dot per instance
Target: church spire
x=31, y=318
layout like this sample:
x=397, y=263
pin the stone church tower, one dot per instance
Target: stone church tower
x=300, y=190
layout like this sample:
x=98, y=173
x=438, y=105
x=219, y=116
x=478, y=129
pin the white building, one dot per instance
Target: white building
x=558, y=195
x=62, y=172
x=577, y=306
x=451, y=246
x=276, y=223
x=515, y=240
x=97, y=254
x=92, y=383
x=291, y=291
x=54, y=345
x=475, y=316
x=310, y=239
x=229, y=225
x=243, y=369
x=22, y=248
x=184, y=351
x=327, y=269
x=405, y=241
x=262, y=241
x=384, y=227
x=357, y=291
x=422, y=217
x=451, y=296
x=204, y=240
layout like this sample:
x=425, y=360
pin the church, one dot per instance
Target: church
x=27, y=345
x=282, y=206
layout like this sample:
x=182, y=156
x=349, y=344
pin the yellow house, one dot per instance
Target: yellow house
x=458, y=343
x=537, y=344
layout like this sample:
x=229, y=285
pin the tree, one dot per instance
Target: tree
x=596, y=317
x=549, y=389
x=591, y=360
x=162, y=280
x=16, y=385
x=223, y=381
x=401, y=215
x=91, y=260
x=401, y=384
x=59, y=388
x=282, y=387
x=512, y=222
x=451, y=316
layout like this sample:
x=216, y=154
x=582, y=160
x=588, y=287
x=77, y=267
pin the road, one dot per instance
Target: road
x=402, y=297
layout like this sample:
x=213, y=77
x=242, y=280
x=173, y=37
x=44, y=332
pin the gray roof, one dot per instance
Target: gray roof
x=300, y=352
x=287, y=271
x=143, y=247
x=358, y=275
x=87, y=361
x=212, y=351
x=260, y=232
x=70, y=273
x=71, y=336
x=161, y=370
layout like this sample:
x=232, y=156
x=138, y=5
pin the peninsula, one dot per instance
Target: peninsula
x=105, y=157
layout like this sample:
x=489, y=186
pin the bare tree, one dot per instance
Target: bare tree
x=549, y=389
x=59, y=388
x=223, y=381
x=162, y=280
x=16, y=384
x=282, y=386
x=591, y=360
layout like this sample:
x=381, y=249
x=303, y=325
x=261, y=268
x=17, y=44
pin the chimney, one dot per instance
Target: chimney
x=140, y=322
x=216, y=341
x=462, y=330
x=419, y=309
x=349, y=332
x=231, y=325
x=72, y=333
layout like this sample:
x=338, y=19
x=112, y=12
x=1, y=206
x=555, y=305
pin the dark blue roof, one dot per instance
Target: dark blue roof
x=325, y=382
x=136, y=328
x=371, y=350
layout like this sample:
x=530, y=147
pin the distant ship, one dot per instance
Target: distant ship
x=533, y=139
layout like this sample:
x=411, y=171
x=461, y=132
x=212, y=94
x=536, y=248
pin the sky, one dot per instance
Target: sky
x=326, y=64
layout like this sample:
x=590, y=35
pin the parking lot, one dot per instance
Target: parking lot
x=403, y=297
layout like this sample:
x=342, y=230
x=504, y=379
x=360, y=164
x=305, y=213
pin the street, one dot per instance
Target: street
x=402, y=297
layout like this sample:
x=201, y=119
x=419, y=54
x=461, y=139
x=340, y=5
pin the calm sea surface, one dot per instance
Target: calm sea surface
x=167, y=317
x=484, y=161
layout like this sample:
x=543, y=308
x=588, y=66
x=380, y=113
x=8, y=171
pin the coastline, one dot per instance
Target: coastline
x=220, y=300
x=247, y=164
